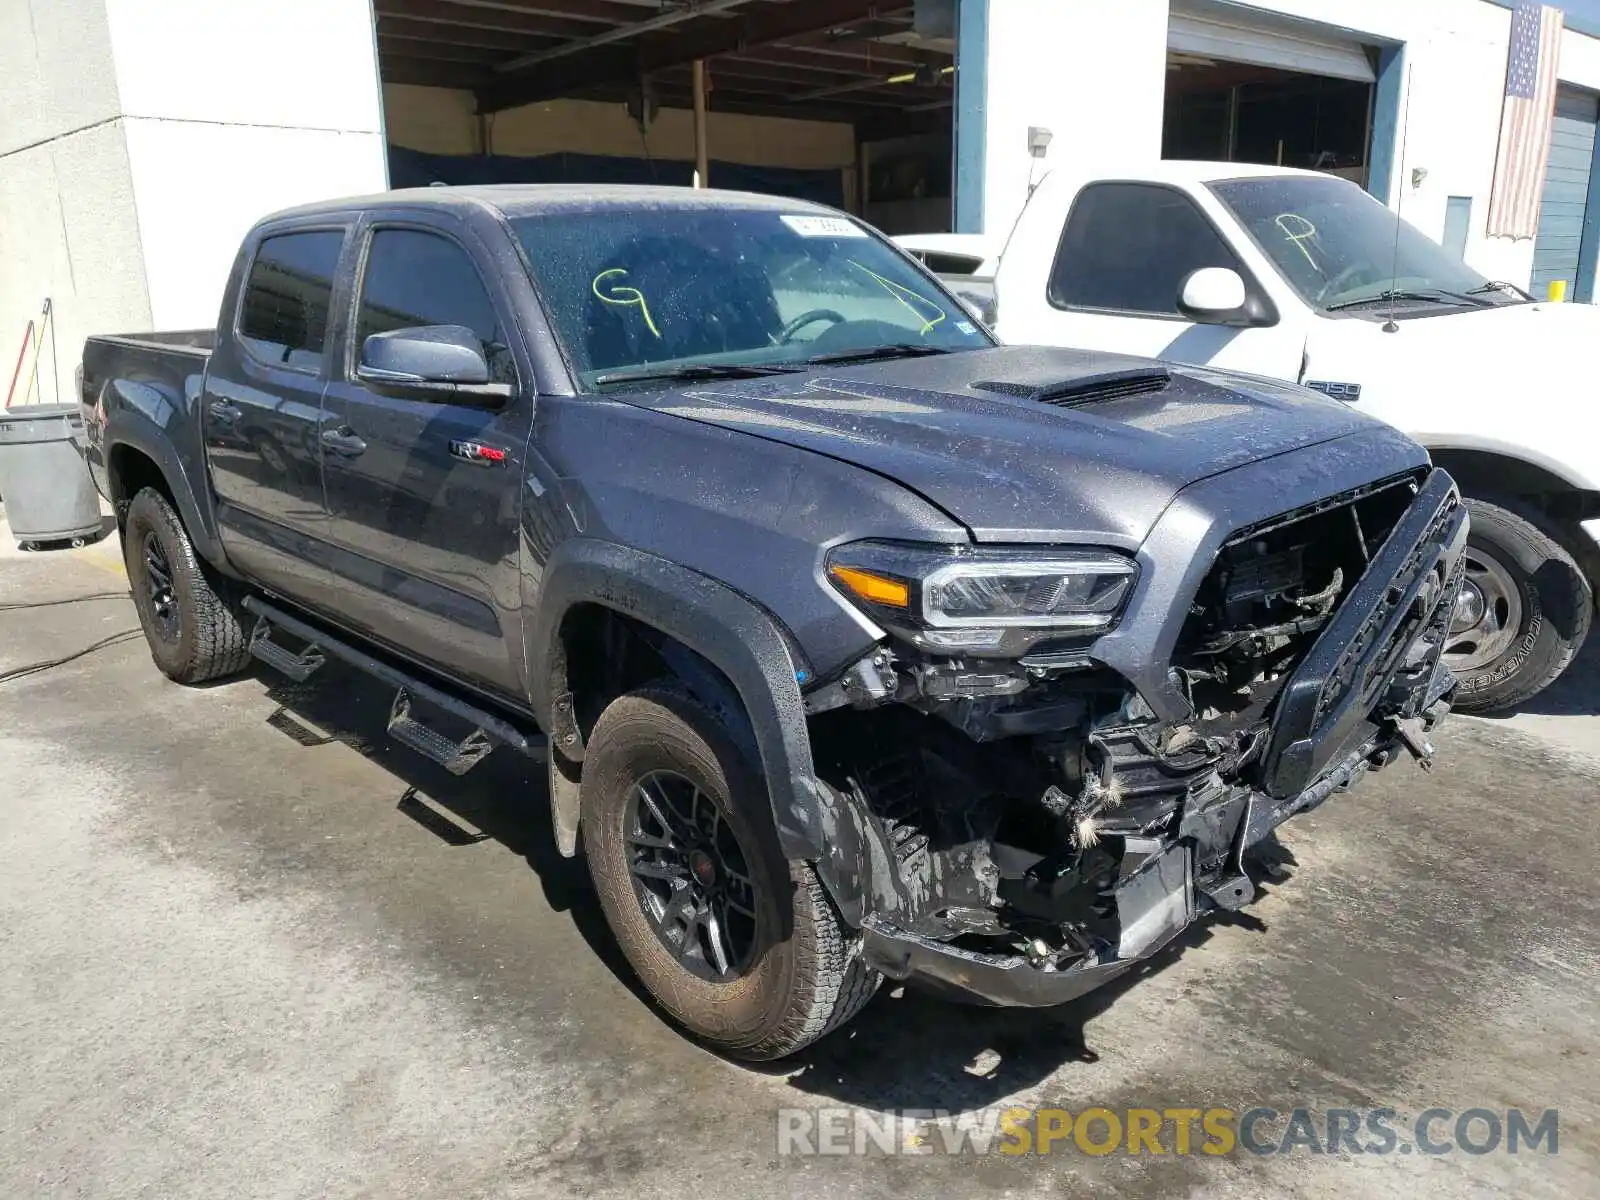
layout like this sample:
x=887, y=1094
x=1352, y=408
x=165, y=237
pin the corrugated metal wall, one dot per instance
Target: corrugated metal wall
x=1566, y=190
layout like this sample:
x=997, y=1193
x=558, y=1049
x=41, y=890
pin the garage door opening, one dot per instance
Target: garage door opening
x=1267, y=91
x=1568, y=243
x=846, y=102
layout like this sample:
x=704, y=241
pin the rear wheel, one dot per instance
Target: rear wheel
x=191, y=621
x=741, y=948
x=1522, y=613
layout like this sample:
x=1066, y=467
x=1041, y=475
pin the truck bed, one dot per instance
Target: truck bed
x=153, y=379
x=194, y=341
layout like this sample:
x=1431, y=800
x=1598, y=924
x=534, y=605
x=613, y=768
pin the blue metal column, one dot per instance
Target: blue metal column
x=1386, y=100
x=1589, y=248
x=972, y=86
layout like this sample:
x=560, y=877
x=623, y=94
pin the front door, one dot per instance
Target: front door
x=261, y=409
x=1119, y=269
x=424, y=494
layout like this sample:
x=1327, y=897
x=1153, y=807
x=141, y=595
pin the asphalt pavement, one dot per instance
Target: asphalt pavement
x=250, y=948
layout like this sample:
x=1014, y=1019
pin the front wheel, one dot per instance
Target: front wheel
x=1522, y=613
x=741, y=948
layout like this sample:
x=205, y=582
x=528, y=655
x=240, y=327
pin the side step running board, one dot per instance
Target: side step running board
x=456, y=757
x=298, y=667
x=488, y=730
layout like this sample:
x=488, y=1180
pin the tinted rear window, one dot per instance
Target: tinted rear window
x=283, y=314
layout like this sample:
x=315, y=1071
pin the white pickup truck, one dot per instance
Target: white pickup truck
x=1305, y=277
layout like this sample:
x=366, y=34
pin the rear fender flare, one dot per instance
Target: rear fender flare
x=204, y=538
x=139, y=416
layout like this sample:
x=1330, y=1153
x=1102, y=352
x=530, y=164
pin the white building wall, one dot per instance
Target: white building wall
x=55, y=70
x=235, y=109
x=140, y=139
x=201, y=186
x=1094, y=74
x=308, y=64
x=67, y=227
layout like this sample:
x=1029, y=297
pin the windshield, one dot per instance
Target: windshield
x=630, y=290
x=1337, y=246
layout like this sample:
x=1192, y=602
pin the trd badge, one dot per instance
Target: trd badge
x=478, y=454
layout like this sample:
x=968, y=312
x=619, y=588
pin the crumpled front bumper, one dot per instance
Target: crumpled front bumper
x=1155, y=903
x=1371, y=689
x=1002, y=980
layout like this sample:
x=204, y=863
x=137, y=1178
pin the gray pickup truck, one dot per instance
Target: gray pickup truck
x=857, y=645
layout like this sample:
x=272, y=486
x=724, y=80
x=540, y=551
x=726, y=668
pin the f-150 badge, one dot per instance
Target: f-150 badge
x=1348, y=392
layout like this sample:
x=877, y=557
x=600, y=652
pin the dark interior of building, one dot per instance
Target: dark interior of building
x=1238, y=112
x=885, y=70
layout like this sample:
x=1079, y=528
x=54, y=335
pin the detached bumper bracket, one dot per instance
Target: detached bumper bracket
x=1230, y=894
x=1328, y=705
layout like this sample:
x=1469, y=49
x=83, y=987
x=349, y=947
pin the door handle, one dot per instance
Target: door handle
x=223, y=410
x=343, y=442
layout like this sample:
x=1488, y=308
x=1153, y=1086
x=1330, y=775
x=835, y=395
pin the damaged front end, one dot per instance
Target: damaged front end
x=1023, y=822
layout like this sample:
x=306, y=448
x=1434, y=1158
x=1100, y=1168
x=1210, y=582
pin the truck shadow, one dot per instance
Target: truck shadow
x=909, y=1050
x=905, y=1050
x=504, y=799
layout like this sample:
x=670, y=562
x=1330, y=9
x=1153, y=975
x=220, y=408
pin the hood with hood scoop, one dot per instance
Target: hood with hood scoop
x=1028, y=444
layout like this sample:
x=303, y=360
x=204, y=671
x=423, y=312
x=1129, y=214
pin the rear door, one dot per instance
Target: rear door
x=423, y=489
x=1120, y=265
x=261, y=407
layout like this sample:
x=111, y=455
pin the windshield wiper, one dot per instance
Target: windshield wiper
x=873, y=353
x=1497, y=285
x=693, y=371
x=1433, y=296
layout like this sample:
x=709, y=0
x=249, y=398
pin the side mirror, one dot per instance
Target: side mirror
x=1215, y=296
x=422, y=355
x=978, y=305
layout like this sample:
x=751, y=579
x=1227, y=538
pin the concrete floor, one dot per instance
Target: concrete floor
x=242, y=957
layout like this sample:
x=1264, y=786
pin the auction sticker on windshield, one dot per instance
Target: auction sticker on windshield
x=807, y=226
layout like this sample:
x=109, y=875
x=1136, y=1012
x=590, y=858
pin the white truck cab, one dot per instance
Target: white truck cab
x=1305, y=277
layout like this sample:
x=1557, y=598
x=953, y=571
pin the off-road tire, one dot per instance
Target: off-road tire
x=1557, y=607
x=805, y=977
x=210, y=641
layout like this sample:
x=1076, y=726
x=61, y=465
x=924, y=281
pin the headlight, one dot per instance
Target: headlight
x=983, y=600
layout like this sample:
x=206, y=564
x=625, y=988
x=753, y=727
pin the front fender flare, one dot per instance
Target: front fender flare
x=725, y=628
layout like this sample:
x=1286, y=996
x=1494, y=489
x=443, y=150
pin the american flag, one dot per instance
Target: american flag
x=1526, y=120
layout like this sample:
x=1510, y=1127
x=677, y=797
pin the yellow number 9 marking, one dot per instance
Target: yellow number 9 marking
x=628, y=297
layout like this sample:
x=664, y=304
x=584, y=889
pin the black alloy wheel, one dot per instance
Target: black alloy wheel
x=164, y=610
x=739, y=945
x=691, y=876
